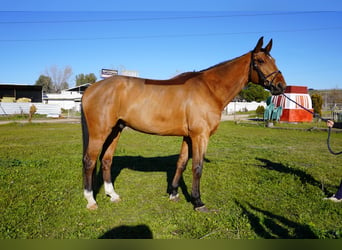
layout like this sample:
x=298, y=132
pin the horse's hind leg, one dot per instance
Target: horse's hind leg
x=89, y=164
x=181, y=165
x=106, y=161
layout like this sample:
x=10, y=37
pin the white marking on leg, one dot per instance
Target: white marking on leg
x=174, y=197
x=109, y=190
x=90, y=198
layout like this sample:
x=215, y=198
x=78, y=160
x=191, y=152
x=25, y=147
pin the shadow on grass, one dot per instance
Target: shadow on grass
x=165, y=164
x=128, y=232
x=304, y=177
x=271, y=226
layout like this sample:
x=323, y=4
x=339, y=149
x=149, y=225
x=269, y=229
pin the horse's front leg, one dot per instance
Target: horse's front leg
x=181, y=165
x=199, y=147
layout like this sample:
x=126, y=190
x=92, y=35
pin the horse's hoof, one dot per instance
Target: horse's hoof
x=115, y=199
x=174, y=198
x=202, y=209
x=92, y=206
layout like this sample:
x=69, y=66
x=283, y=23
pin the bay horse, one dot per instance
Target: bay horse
x=188, y=105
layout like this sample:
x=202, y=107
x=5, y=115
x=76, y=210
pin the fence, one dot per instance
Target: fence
x=51, y=110
x=337, y=116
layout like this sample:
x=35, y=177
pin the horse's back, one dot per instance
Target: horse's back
x=110, y=85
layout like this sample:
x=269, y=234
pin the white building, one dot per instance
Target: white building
x=68, y=99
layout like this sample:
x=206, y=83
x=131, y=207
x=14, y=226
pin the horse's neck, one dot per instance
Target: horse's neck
x=226, y=80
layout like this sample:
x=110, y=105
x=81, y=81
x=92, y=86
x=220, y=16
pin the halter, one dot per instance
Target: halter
x=262, y=76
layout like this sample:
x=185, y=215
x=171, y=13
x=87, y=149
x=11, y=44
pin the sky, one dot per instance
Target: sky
x=159, y=42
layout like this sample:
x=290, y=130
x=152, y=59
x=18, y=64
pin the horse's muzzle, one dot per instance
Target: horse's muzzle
x=277, y=89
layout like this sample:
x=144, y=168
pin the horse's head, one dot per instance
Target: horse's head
x=264, y=71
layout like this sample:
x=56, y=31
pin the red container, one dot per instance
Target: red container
x=291, y=111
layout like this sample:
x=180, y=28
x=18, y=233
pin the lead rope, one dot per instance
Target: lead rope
x=328, y=144
x=318, y=116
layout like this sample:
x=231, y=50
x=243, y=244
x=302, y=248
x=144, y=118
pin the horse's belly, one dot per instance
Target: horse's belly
x=160, y=124
x=155, y=110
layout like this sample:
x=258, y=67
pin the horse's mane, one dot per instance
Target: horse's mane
x=215, y=66
x=183, y=77
x=220, y=64
x=177, y=80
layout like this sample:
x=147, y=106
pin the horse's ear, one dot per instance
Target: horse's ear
x=268, y=47
x=259, y=45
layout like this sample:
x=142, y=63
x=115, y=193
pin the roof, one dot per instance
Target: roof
x=80, y=88
x=19, y=86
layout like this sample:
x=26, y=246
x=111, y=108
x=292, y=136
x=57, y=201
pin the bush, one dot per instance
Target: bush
x=33, y=110
x=260, y=110
x=317, y=103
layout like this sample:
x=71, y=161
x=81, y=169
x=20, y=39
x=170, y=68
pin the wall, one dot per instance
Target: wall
x=242, y=107
x=51, y=110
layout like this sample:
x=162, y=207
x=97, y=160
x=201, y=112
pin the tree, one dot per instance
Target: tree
x=254, y=92
x=317, y=103
x=46, y=82
x=82, y=79
x=59, y=77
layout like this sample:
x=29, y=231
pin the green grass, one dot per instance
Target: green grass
x=263, y=183
x=21, y=117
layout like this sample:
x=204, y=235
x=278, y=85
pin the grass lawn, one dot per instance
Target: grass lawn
x=263, y=183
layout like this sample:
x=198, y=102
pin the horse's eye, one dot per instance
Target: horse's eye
x=260, y=61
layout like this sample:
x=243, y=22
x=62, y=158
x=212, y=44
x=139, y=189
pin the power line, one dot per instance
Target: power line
x=165, y=18
x=172, y=35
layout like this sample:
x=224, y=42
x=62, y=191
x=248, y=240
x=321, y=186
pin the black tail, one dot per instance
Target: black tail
x=85, y=134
